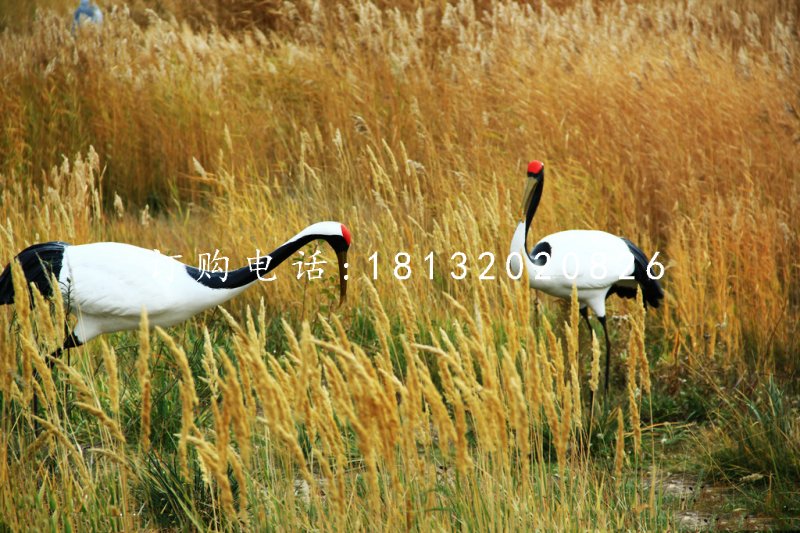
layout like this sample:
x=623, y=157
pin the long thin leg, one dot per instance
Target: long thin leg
x=56, y=353
x=602, y=320
x=585, y=314
x=70, y=342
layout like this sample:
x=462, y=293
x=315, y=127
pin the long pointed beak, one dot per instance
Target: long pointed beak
x=530, y=186
x=342, y=258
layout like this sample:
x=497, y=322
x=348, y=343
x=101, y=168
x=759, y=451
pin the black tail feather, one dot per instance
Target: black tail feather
x=652, y=292
x=38, y=263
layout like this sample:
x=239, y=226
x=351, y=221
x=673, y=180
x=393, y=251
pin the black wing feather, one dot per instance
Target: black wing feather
x=622, y=291
x=38, y=263
x=541, y=253
x=651, y=289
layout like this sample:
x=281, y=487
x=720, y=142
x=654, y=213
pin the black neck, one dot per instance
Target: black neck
x=267, y=263
x=532, y=207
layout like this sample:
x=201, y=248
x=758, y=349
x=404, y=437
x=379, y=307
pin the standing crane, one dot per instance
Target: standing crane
x=597, y=263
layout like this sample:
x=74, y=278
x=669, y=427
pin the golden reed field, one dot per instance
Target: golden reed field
x=420, y=404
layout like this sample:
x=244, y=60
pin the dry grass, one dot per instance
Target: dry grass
x=366, y=442
x=675, y=125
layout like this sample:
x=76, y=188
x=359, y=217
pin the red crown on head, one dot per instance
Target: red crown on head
x=346, y=234
x=535, y=167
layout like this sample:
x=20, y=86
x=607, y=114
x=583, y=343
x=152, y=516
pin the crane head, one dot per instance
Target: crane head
x=533, y=191
x=535, y=168
x=535, y=177
x=339, y=238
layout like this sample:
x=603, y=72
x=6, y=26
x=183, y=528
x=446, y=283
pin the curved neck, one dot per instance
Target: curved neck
x=266, y=264
x=519, y=254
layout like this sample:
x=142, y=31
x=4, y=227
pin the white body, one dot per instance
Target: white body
x=591, y=260
x=107, y=285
